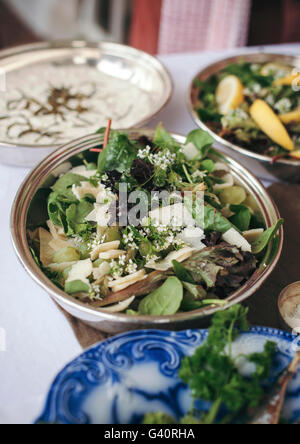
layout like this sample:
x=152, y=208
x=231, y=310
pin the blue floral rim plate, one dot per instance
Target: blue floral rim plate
x=122, y=378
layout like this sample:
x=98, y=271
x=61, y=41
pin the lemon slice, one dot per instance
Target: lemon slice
x=293, y=116
x=289, y=80
x=295, y=154
x=229, y=94
x=270, y=124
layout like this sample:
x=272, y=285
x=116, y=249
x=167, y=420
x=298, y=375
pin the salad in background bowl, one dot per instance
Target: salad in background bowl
x=180, y=261
x=250, y=103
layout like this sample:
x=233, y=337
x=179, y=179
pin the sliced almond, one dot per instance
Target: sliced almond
x=103, y=248
x=113, y=254
x=122, y=283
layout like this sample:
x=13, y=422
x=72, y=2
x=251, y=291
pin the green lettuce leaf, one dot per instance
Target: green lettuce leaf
x=118, y=155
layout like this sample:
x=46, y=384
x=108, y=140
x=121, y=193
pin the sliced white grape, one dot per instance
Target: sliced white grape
x=233, y=237
x=253, y=235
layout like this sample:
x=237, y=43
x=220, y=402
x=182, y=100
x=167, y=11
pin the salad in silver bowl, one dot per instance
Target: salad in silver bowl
x=151, y=228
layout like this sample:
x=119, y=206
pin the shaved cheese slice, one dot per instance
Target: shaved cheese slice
x=166, y=264
x=228, y=182
x=233, y=237
x=56, y=232
x=113, y=254
x=81, y=271
x=100, y=272
x=103, y=248
x=253, y=235
x=46, y=252
x=121, y=306
x=58, y=244
x=61, y=267
x=122, y=283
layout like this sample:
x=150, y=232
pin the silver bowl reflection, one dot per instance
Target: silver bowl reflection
x=30, y=201
x=284, y=169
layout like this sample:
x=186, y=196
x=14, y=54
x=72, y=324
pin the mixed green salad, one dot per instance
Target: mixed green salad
x=255, y=106
x=155, y=266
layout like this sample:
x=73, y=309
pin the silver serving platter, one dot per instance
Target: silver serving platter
x=27, y=206
x=119, y=61
x=284, y=169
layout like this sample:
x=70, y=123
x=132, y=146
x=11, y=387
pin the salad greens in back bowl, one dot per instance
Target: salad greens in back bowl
x=145, y=229
x=250, y=104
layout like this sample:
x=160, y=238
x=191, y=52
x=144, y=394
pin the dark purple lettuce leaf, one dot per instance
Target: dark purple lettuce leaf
x=222, y=268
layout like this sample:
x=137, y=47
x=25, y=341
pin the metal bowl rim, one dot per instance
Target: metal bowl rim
x=23, y=253
x=221, y=140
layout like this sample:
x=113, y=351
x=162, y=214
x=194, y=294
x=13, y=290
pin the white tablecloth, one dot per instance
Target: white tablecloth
x=39, y=341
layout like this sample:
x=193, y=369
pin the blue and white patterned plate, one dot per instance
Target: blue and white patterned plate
x=121, y=379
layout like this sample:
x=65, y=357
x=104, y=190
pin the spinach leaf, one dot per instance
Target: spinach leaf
x=165, y=301
x=63, y=186
x=214, y=221
x=262, y=242
x=182, y=273
x=202, y=140
x=241, y=218
x=208, y=165
x=118, y=155
x=163, y=139
x=190, y=305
